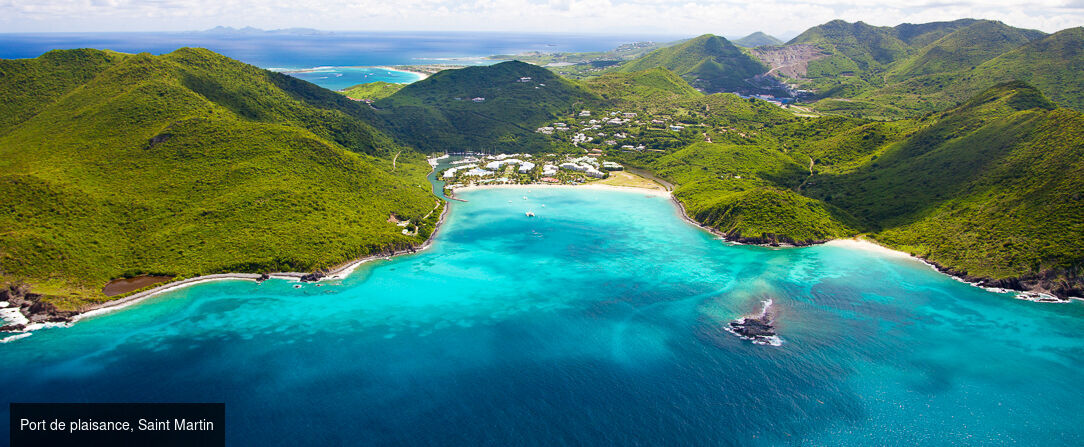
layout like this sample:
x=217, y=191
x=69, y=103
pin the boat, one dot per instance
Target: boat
x=530, y=214
x=524, y=197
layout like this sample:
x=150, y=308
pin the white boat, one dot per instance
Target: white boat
x=530, y=214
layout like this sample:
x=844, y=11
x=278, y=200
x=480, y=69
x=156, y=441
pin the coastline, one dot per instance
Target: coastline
x=344, y=270
x=1036, y=294
x=652, y=192
x=419, y=74
x=336, y=273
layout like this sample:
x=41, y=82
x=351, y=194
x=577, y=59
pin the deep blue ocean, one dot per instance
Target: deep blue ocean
x=331, y=50
x=598, y=322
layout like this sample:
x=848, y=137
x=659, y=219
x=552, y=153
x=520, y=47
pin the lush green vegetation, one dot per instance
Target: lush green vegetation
x=962, y=49
x=710, y=63
x=372, y=91
x=653, y=89
x=191, y=163
x=859, y=49
x=1052, y=64
x=757, y=39
x=992, y=187
x=185, y=164
x=911, y=70
x=440, y=113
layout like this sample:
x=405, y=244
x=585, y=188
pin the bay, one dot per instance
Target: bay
x=600, y=321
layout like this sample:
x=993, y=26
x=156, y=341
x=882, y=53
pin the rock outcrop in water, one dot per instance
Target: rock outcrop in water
x=312, y=277
x=759, y=329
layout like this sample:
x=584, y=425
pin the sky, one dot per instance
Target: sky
x=783, y=18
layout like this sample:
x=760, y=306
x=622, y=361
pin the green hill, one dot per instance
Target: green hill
x=852, y=48
x=653, y=89
x=757, y=39
x=372, y=91
x=439, y=113
x=844, y=60
x=184, y=164
x=31, y=84
x=918, y=35
x=992, y=188
x=855, y=48
x=1051, y=64
x=709, y=63
x=963, y=49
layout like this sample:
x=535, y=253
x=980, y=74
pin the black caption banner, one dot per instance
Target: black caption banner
x=118, y=424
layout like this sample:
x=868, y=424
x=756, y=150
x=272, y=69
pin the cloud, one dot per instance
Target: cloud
x=684, y=17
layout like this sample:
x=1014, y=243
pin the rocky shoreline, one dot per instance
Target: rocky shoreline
x=1045, y=287
x=34, y=312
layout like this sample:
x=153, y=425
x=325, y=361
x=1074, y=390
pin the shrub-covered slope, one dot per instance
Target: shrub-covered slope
x=184, y=164
x=963, y=49
x=372, y=91
x=992, y=188
x=710, y=63
x=757, y=39
x=653, y=89
x=440, y=113
x=1052, y=64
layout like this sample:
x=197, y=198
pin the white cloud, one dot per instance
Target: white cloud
x=685, y=17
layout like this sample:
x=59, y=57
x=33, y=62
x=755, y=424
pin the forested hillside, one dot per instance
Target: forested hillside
x=184, y=164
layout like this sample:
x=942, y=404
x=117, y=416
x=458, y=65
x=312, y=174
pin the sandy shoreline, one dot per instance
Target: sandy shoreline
x=348, y=268
x=598, y=187
x=335, y=274
x=420, y=75
x=416, y=73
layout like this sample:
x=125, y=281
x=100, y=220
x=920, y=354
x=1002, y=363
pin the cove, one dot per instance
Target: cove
x=600, y=321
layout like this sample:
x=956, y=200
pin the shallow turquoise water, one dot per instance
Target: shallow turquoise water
x=338, y=78
x=597, y=322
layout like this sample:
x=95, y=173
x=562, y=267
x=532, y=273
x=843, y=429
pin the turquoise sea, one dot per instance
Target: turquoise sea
x=338, y=78
x=598, y=322
x=333, y=60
